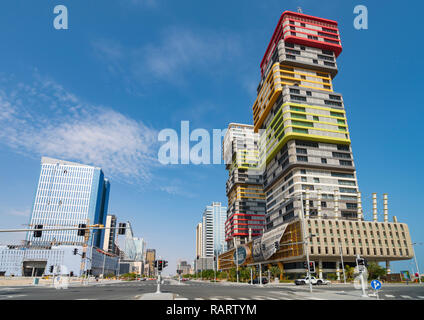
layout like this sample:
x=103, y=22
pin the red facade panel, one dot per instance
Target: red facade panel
x=324, y=28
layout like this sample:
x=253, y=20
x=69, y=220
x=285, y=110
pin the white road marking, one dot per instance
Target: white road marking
x=242, y=299
x=389, y=296
x=420, y=297
x=9, y=288
x=12, y=296
x=315, y=298
x=406, y=297
x=258, y=298
x=199, y=299
x=280, y=292
x=226, y=298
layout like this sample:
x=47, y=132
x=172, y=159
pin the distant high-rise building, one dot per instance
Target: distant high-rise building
x=150, y=262
x=199, y=240
x=213, y=229
x=183, y=267
x=110, y=234
x=140, y=248
x=246, y=197
x=69, y=194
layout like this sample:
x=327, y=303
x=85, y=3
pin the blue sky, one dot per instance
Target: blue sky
x=99, y=92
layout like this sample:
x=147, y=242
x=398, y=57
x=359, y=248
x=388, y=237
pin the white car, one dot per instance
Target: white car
x=314, y=281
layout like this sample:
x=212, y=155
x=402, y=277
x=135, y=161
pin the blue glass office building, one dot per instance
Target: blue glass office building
x=69, y=194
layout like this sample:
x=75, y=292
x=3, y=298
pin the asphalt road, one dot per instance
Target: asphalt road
x=196, y=290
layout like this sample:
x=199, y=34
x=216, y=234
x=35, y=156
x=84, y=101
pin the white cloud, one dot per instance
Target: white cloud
x=43, y=119
x=176, y=191
x=177, y=53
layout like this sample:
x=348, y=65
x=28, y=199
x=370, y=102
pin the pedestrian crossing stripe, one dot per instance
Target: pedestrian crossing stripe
x=406, y=297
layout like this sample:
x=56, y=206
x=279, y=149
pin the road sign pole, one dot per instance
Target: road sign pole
x=376, y=285
x=158, y=281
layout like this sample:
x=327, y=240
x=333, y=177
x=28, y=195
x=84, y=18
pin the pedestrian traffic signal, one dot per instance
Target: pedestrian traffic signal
x=360, y=261
x=81, y=229
x=156, y=263
x=75, y=251
x=37, y=234
x=165, y=264
x=122, y=227
x=51, y=269
x=312, y=266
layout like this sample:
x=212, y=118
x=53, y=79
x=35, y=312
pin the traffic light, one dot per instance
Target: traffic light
x=51, y=269
x=360, y=261
x=122, y=227
x=312, y=266
x=71, y=274
x=75, y=251
x=83, y=255
x=160, y=265
x=165, y=264
x=81, y=231
x=37, y=234
x=156, y=263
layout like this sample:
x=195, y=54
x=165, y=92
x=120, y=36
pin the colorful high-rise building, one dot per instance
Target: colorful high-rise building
x=304, y=137
x=313, y=204
x=246, y=198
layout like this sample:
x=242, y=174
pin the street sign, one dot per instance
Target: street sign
x=405, y=275
x=376, y=285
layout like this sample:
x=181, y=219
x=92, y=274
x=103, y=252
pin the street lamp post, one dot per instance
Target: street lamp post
x=341, y=257
x=306, y=241
x=104, y=261
x=235, y=246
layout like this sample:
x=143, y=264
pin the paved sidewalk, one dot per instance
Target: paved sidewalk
x=160, y=296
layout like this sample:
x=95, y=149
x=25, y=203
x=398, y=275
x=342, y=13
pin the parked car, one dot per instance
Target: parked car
x=314, y=281
x=256, y=281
